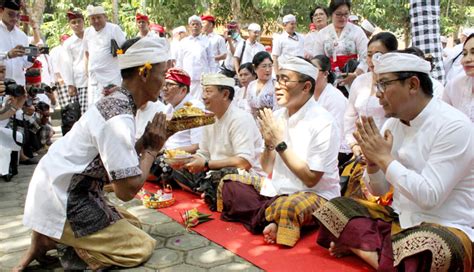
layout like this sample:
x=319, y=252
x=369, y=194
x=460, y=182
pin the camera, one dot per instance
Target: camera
x=44, y=50
x=13, y=89
x=33, y=91
x=32, y=51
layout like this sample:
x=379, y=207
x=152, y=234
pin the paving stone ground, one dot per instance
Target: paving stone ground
x=176, y=250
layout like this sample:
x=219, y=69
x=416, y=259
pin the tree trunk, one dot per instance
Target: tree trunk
x=115, y=16
x=235, y=7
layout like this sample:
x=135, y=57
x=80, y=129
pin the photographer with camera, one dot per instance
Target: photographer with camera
x=233, y=40
x=12, y=97
x=14, y=42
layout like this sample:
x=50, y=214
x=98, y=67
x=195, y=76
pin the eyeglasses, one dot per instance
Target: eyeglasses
x=340, y=15
x=169, y=85
x=382, y=85
x=283, y=80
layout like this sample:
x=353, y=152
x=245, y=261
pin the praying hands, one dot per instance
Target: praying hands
x=375, y=148
x=272, y=130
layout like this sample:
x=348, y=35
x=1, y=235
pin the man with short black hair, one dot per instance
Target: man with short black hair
x=13, y=42
x=74, y=68
x=301, y=148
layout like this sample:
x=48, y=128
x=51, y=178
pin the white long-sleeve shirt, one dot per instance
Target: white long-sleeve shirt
x=288, y=45
x=9, y=40
x=433, y=170
x=73, y=66
x=195, y=56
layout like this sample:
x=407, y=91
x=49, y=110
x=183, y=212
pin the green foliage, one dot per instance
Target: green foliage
x=392, y=15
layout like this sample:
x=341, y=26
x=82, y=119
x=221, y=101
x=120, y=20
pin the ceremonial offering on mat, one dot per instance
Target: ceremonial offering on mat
x=176, y=158
x=188, y=117
x=193, y=217
x=160, y=199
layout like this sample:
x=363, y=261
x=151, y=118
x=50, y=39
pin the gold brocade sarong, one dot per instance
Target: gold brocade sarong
x=121, y=244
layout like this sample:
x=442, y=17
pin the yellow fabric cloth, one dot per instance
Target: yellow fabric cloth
x=121, y=244
x=291, y=213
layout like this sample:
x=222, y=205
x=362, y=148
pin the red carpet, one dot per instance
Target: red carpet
x=305, y=256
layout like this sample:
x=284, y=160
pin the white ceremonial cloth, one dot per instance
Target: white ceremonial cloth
x=362, y=103
x=186, y=137
x=433, y=170
x=459, y=94
x=9, y=40
x=113, y=139
x=73, y=69
x=194, y=56
x=312, y=133
x=102, y=66
x=286, y=45
x=251, y=49
x=335, y=103
x=234, y=134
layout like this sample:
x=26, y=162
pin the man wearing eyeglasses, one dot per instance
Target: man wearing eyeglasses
x=423, y=158
x=176, y=94
x=301, y=148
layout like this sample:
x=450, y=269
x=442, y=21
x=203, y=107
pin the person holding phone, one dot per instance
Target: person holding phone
x=13, y=42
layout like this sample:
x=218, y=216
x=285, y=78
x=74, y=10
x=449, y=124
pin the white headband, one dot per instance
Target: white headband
x=368, y=26
x=254, y=27
x=289, y=18
x=217, y=79
x=91, y=10
x=298, y=65
x=146, y=50
x=399, y=62
x=179, y=29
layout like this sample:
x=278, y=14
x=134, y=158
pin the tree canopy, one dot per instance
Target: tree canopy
x=392, y=15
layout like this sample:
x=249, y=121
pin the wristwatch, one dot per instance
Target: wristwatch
x=206, y=166
x=281, y=147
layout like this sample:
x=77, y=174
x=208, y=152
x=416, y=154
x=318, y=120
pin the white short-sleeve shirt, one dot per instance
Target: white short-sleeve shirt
x=251, y=49
x=289, y=45
x=312, y=133
x=105, y=133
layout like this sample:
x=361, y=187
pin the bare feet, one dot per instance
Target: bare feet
x=269, y=233
x=40, y=245
x=338, y=250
